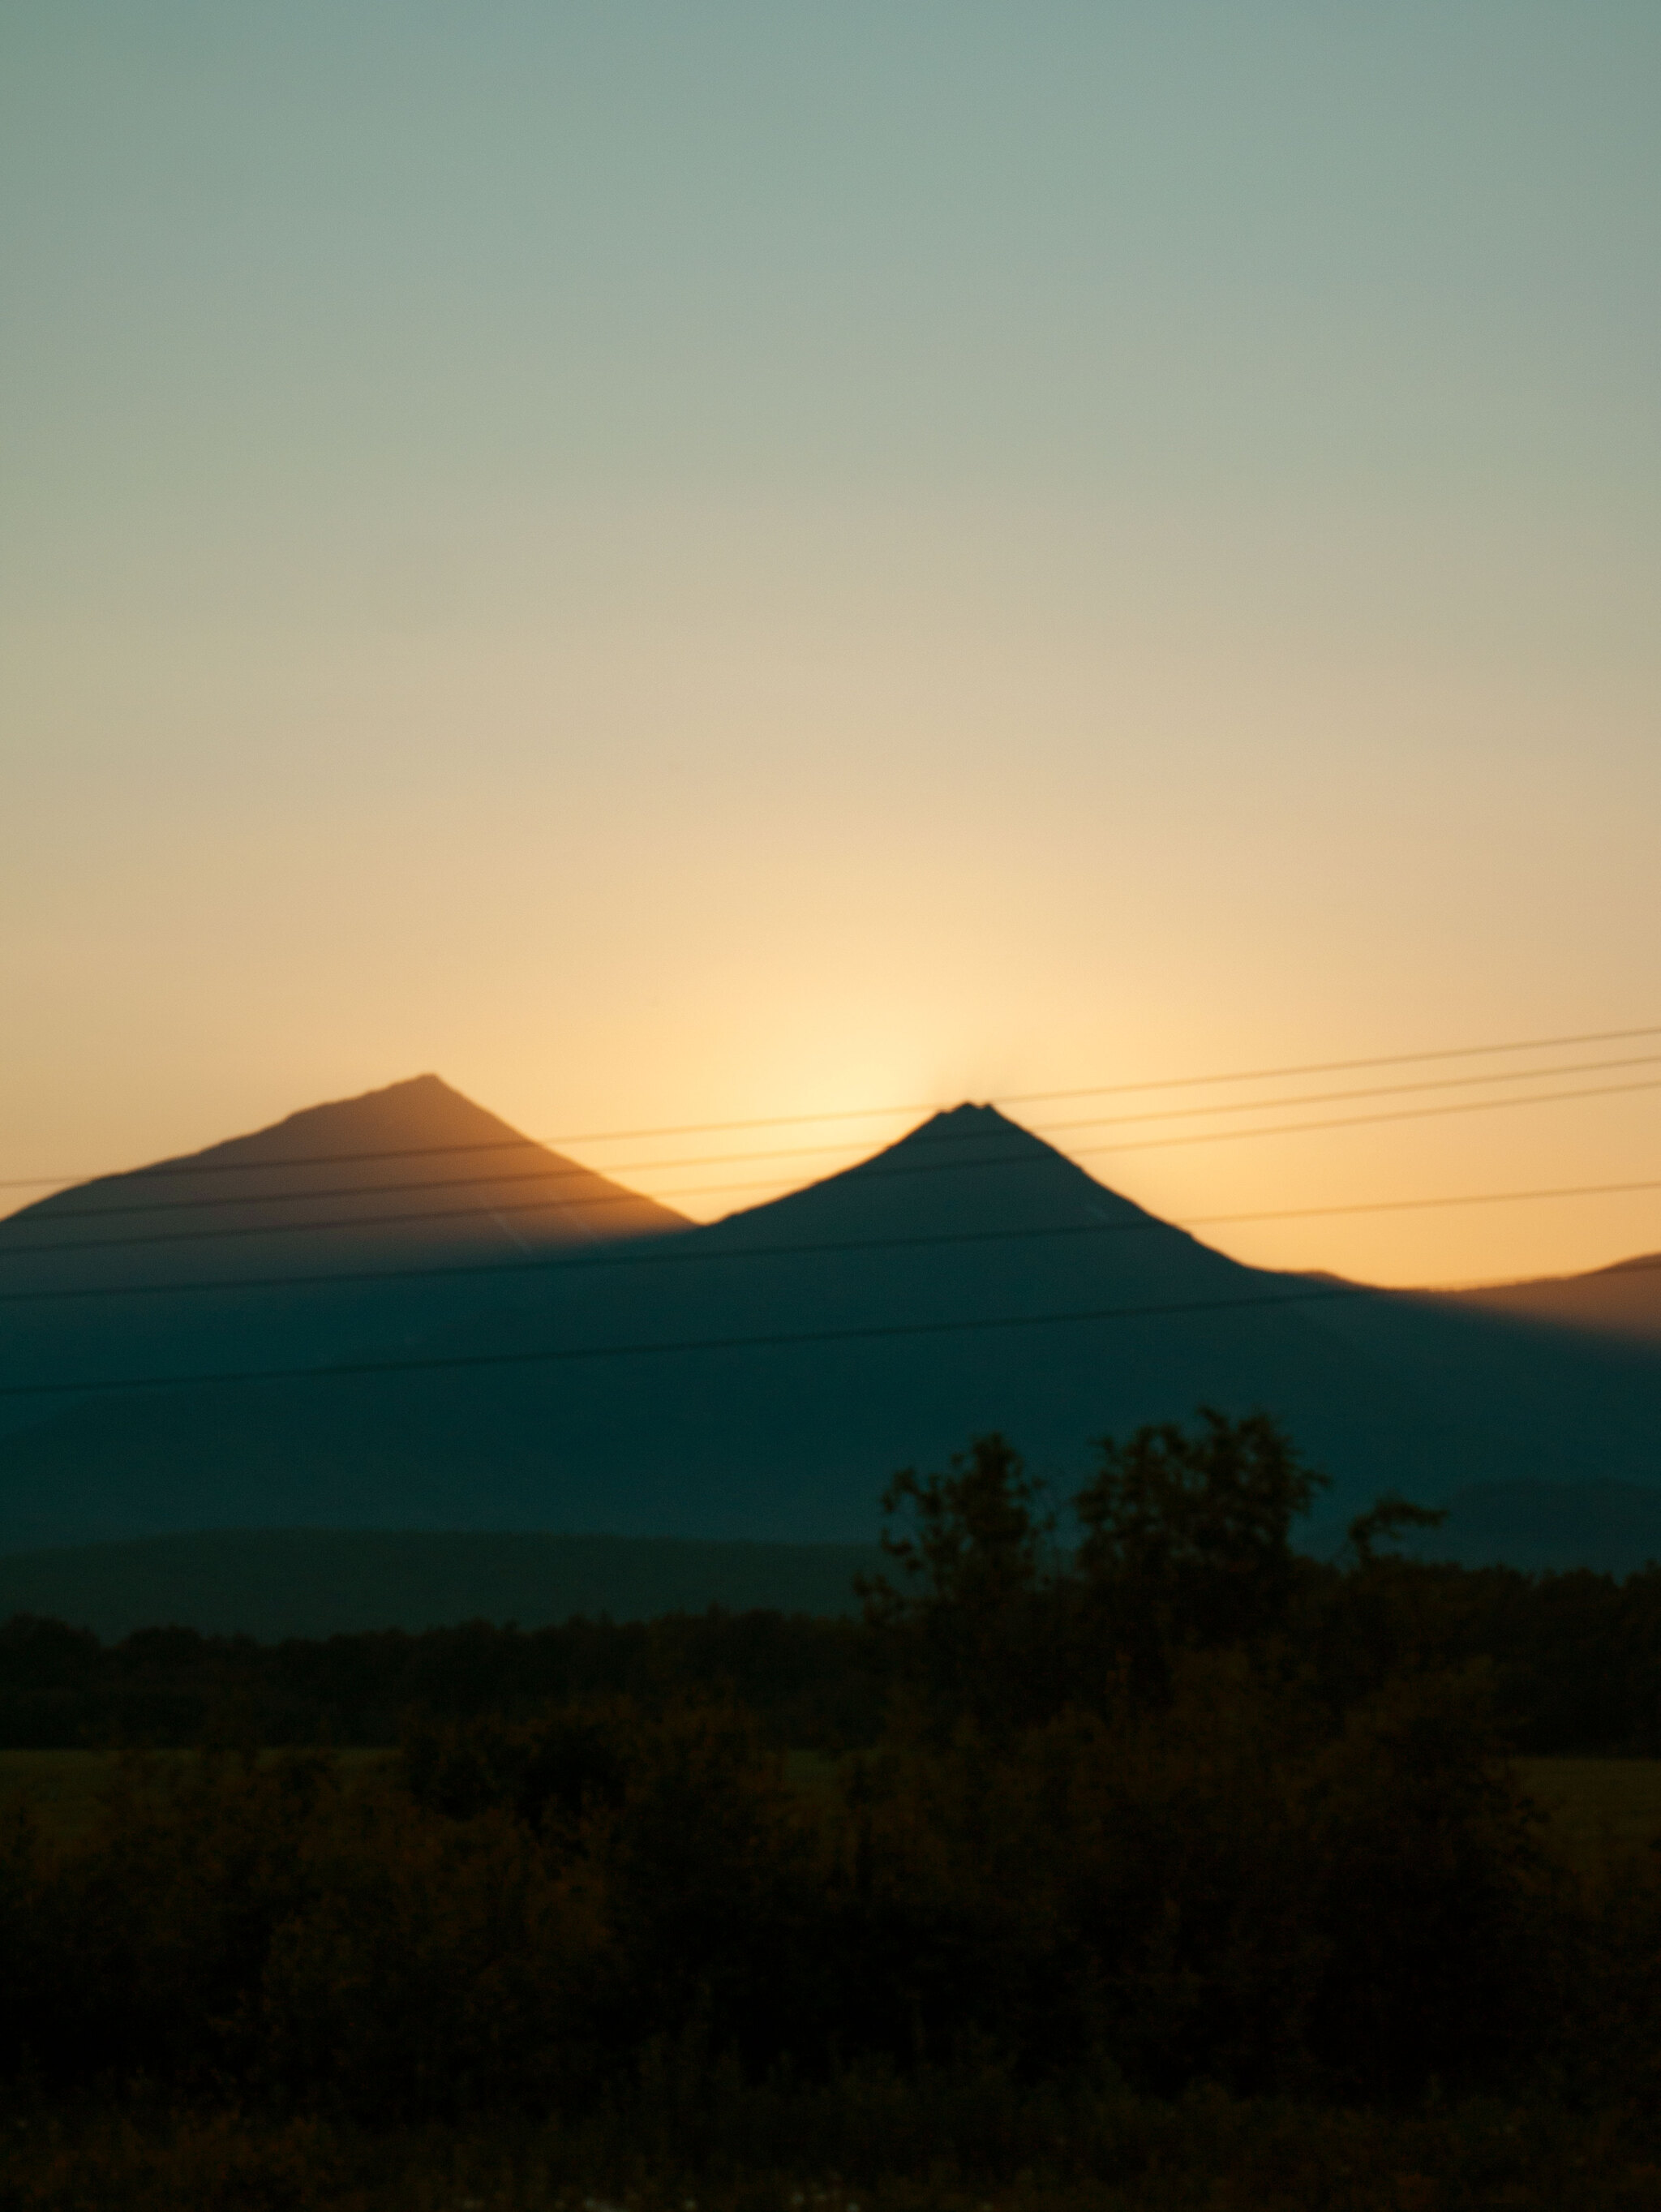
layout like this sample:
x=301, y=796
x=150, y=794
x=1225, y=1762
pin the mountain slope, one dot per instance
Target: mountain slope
x=967, y=1278
x=411, y=1176
x=1624, y=1300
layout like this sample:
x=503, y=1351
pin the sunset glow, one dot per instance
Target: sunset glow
x=682, y=566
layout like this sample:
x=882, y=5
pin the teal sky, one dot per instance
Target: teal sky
x=673, y=562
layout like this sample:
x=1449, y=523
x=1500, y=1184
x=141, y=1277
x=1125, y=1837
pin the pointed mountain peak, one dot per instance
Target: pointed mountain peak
x=967, y=1167
x=973, y=1133
x=968, y=1115
x=969, y=1119
x=406, y=1138
x=421, y=1110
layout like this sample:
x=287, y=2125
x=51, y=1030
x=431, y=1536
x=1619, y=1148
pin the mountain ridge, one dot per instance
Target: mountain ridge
x=760, y=1378
x=1623, y=1299
x=400, y=1177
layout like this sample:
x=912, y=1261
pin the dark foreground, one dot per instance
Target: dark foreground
x=961, y=2147
x=1168, y=1872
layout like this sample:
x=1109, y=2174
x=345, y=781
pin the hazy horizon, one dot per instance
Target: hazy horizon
x=679, y=566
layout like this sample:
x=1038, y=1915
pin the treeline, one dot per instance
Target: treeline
x=1164, y=1807
x=809, y=1681
x=1573, y=1660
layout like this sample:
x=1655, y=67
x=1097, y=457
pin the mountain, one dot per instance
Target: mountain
x=761, y=1377
x=1624, y=1300
x=332, y=1212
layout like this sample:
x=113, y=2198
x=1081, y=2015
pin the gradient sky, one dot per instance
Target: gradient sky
x=677, y=562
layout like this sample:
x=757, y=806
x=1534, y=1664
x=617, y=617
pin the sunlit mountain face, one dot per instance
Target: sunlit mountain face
x=342, y=1226
x=587, y=1362
x=1624, y=1300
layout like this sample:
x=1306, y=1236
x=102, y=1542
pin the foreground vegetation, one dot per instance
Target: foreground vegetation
x=1598, y=1816
x=970, y=2145
x=1167, y=1870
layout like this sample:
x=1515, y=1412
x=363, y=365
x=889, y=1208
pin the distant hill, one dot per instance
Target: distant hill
x=271, y=1584
x=326, y=1204
x=761, y=1377
x=1614, y=1527
x=1609, y=1527
x=1624, y=1300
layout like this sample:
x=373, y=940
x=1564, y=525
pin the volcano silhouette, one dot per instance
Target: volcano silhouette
x=319, y=1208
x=764, y=1375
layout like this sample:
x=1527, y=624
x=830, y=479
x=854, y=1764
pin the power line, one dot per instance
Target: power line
x=1411, y=1204
x=1362, y=1120
x=616, y=1195
x=198, y=1167
x=1339, y=1067
x=625, y=1256
x=774, y=1339
x=856, y=1113
x=571, y=1171
x=870, y=1170
x=608, y=1256
x=1373, y=1091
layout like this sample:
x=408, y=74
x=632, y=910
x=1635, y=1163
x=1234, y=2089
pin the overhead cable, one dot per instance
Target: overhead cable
x=855, y=1113
x=628, y=1254
x=869, y=1170
x=768, y=1340
x=573, y=1171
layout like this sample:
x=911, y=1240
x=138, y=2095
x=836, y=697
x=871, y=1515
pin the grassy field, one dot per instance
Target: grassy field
x=1597, y=1810
x=62, y=1788
x=1201, y=2153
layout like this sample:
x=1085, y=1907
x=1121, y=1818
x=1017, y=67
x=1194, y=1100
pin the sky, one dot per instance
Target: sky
x=683, y=564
